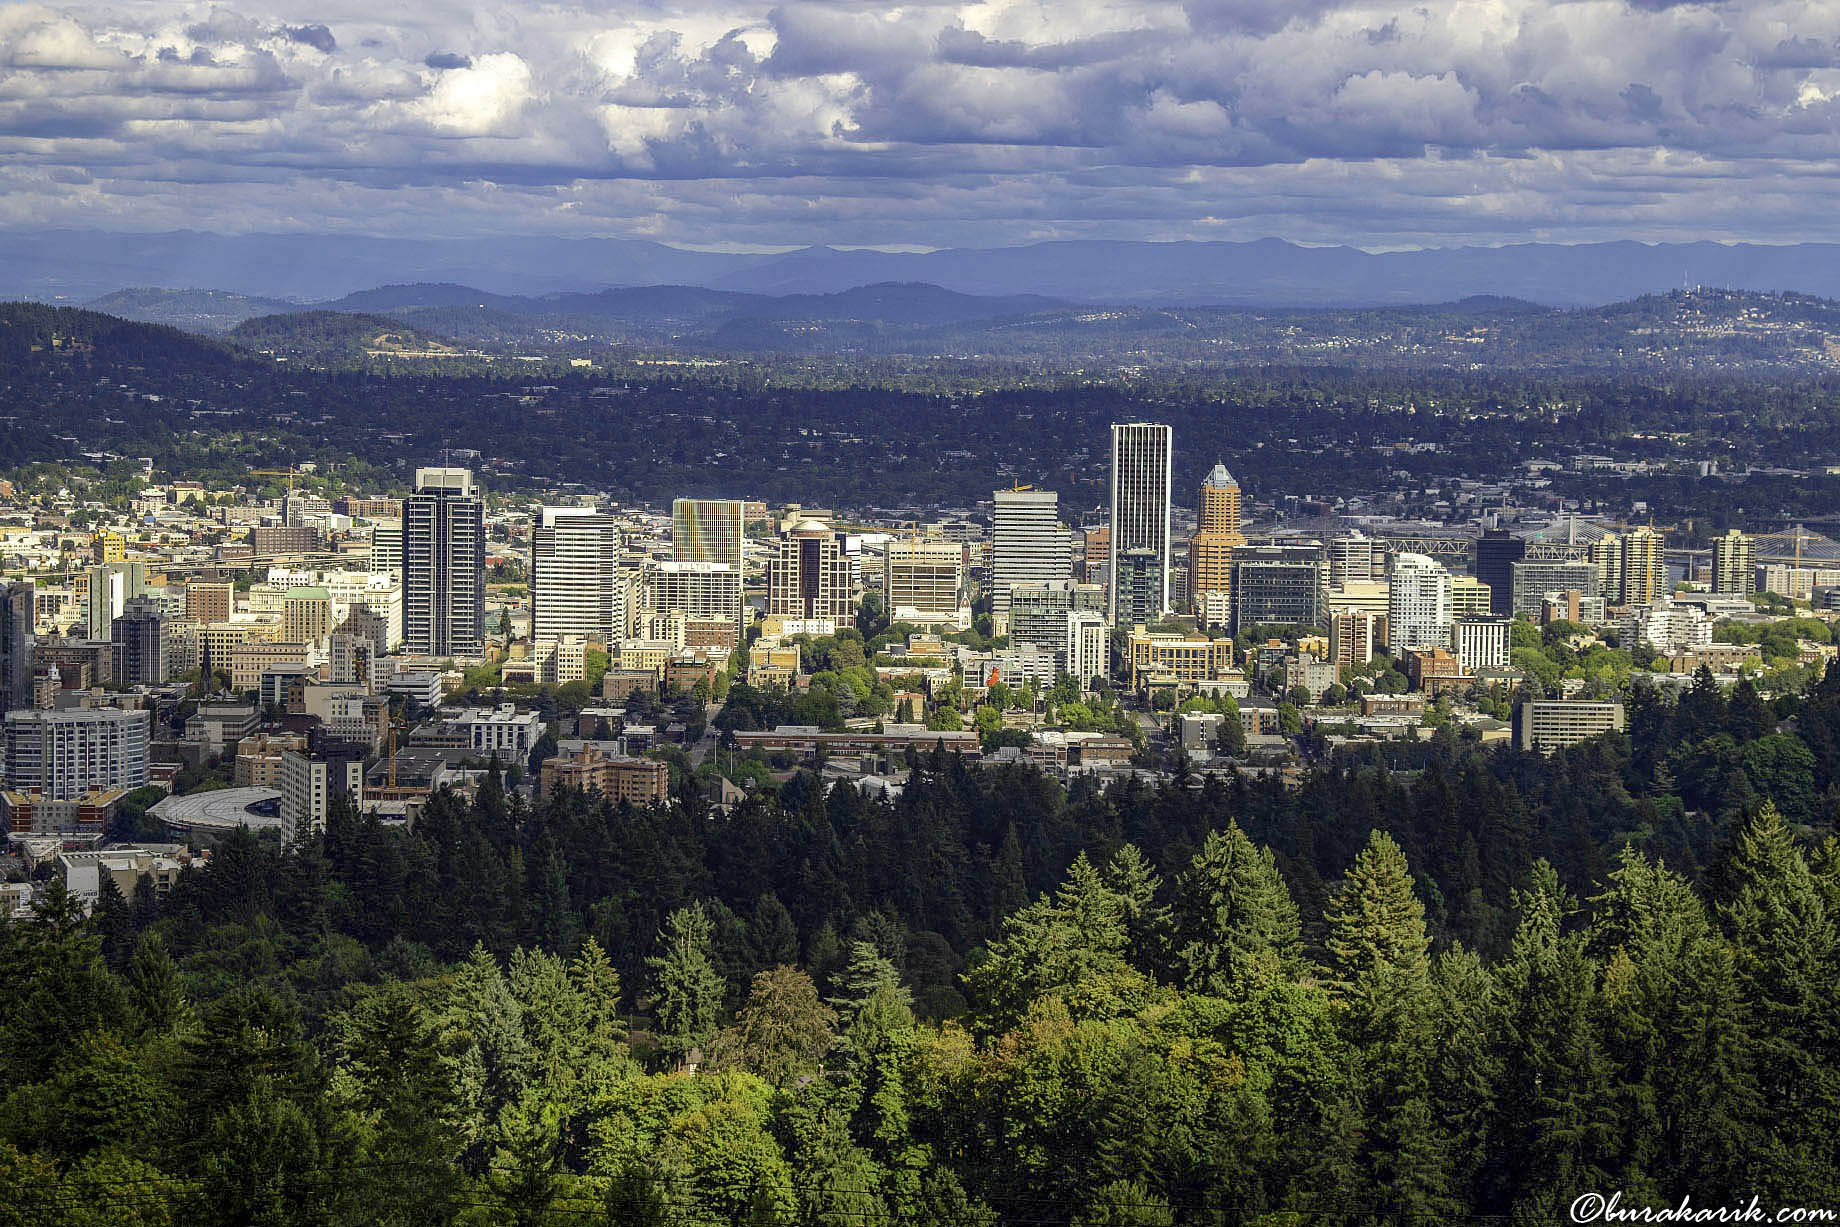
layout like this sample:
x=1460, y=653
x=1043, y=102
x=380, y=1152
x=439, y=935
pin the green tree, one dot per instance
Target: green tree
x=1377, y=923
x=484, y=1043
x=154, y=991
x=401, y=1099
x=1130, y=877
x=1126, y=1203
x=1556, y=1101
x=1236, y=925
x=1787, y=949
x=1673, y=1031
x=1071, y=944
x=688, y=990
x=1379, y=952
x=785, y=1029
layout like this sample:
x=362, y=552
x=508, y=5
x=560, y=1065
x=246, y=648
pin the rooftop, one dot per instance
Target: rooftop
x=221, y=810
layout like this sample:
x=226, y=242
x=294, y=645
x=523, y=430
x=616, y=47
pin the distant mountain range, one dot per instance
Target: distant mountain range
x=1706, y=332
x=78, y=266
x=625, y=314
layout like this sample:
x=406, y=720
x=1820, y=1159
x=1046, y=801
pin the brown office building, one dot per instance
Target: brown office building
x=208, y=602
x=1217, y=535
x=642, y=781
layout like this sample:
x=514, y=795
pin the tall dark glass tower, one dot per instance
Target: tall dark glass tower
x=444, y=574
x=1496, y=552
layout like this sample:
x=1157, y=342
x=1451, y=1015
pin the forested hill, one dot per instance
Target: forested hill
x=935, y=431
x=1474, y=986
x=338, y=339
x=33, y=332
x=207, y=311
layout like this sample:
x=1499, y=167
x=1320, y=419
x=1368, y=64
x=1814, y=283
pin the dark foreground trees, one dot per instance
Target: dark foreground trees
x=1129, y=1054
x=1471, y=984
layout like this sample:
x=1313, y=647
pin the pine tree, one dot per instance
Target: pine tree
x=557, y=926
x=525, y=1172
x=1378, y=949
x=1071, y=943
x=688, y=990
x=773, y=938
x=1788, y=958
x=1377, y=924
x=1555, y=1103
x=1146, y=920
x=113, y=922
x=154, y=990
x=1464, y=1067
x=1236, y=927
x=1746, y=716
x=871, y=984
x=555, y=1017
x=484, y=1041
x=1673, y=1030
x=393, y=1082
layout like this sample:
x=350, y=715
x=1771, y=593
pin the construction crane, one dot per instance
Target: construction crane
x=290, y=473
x=1018, y=489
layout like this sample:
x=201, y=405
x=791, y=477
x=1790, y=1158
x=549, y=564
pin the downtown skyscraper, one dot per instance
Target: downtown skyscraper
x=1418, y=605
x=1027, y=544
x=1141, y=455
x=708, y=530
x=444, y=572
x=575, y=587
x=1210, y=550
x=710, y=533
x=16, y=644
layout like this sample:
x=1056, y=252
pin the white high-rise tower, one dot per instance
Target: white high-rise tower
x=1027, y=544
x=574, y=576
x=1418, y=605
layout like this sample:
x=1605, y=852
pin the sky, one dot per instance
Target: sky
x=741, y=125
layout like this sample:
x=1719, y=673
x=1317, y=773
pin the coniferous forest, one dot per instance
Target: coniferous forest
x=1461, y=984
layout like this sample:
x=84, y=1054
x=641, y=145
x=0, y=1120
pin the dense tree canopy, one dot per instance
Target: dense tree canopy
x=1465, y=983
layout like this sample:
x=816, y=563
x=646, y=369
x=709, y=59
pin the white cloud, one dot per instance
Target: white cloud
x=482, y=100
x=961, y=121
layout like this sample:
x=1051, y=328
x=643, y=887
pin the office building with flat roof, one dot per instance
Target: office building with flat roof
x=708, y=530
x=1418, y=605
x=575, y=587
x=924, y=581
x=1532, y=579
x=1028, y=545
x=444, y=576
x=1492, y=560
x=72, y=752
x=1545, y=725
x=1280, y=584
x=1142, y=453
x=1734, y=564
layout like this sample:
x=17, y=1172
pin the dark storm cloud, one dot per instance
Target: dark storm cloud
x=447, y=59
x=317, y=37
x=1800, y=53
